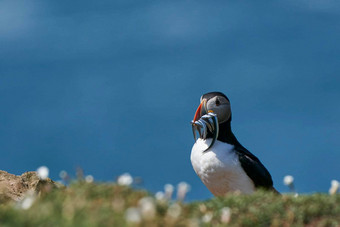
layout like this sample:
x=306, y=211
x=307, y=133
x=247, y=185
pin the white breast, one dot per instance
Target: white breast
x=219, y=168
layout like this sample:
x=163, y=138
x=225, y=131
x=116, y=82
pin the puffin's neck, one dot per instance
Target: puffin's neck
x=226, y=135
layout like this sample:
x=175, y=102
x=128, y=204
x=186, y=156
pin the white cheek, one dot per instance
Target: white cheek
x=211, y=105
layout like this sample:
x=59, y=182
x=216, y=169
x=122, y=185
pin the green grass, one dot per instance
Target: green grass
x=99, y=204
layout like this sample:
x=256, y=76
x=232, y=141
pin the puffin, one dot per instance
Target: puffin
x=223, y=164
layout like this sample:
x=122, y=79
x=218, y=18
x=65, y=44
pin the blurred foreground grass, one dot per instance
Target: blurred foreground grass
x=99, y=204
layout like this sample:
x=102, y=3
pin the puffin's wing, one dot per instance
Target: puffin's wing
x=254, y=168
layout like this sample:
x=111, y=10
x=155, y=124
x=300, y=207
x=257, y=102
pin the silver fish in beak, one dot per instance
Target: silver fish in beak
x=203, y=124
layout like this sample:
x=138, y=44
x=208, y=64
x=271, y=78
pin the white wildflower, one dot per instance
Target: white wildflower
x=89, y=179
x=288, y=180
x=207, y=217
x=182, y=189
x=43, y=172
x=225, y=215
x=28, y=200
x=174, y=211
x=147, y=208
x=27, y=203
x=335, y=183
x=63, y=174
x=125, y=179
x=169, y=189
x=334, y=187
x=160, y=196
x=133, y=215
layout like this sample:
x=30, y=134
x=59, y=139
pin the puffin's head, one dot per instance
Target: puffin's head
x=215, y=102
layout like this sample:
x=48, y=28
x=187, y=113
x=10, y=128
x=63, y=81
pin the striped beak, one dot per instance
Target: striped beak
x=201, y=110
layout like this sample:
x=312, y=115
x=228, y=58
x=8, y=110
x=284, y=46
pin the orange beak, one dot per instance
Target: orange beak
x=198, y=113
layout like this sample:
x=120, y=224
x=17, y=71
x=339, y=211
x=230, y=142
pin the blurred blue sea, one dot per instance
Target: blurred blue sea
x=112, y=86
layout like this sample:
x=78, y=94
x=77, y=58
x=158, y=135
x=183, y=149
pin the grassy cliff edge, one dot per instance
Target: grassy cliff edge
x=103, y=204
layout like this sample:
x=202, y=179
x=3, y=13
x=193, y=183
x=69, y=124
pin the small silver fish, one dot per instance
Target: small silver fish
x=206, y=122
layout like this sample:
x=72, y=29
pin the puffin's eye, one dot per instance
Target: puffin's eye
x=217, y=103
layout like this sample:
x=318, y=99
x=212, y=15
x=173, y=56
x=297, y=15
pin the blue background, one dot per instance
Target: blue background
x=111, y=86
